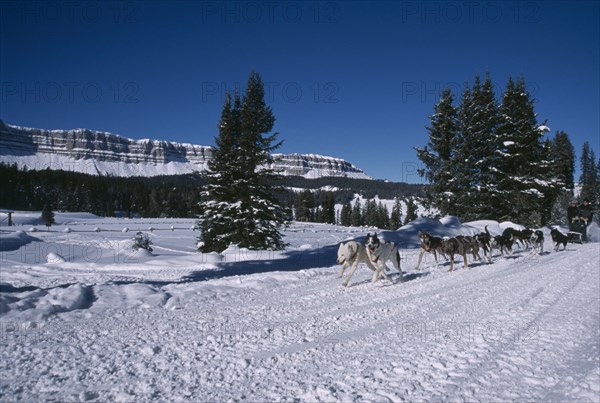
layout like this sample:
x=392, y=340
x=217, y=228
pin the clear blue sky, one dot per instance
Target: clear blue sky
x=355, y=80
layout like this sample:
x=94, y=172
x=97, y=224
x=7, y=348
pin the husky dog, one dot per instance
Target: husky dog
x=352, y=253
x=521, y=236
x=431, y=244
x=485, y=243
x=537, y=241
x=471, y=245
x=558, y=238
x=454, y=246
x=504, y=242
x=379, y=253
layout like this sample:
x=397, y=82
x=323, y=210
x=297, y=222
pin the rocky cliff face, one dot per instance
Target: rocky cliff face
x=95, y=152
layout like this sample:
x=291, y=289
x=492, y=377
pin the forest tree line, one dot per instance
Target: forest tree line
x=179, y=195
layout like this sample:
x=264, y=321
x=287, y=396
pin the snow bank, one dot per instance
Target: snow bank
x=408, y=235
x=33, y=306
x=13, y=241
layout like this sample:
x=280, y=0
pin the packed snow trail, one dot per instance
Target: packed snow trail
x=170, y=328
x=513, y=330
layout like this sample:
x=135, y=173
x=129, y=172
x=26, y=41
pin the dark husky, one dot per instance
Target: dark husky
x=485, y=243
x=454, y=246
x=558, y=238
x=504, y=242
x=431, y=244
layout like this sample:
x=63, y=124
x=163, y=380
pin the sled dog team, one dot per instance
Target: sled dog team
x=375, y=253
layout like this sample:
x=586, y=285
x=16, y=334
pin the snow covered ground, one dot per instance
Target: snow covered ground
x=84, y=317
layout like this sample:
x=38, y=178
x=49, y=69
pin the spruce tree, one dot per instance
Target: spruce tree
x=475, y=174
x=438, y=156
x=357, y=216
x=562, y=155
x=522, y=166
x=305, y=206
x=411, y=210
x=560, y=170
x=383, y=216
x=219, y=200
x=47, y=215
x=238, y=204
x=396, y=218
x=589, y=174
x=329, y=208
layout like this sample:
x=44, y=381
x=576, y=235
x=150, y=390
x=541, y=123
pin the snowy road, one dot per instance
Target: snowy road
x=525, y=328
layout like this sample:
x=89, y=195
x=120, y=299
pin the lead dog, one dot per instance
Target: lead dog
x=352, y=253
x=431, y=244
x=379, y=253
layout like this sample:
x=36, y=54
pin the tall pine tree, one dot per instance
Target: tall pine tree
x=476, y=151
x=589, y=174
x=438, y=156
x=238, y=204
x=522, y=164
x=497, y=165
x=562, y=155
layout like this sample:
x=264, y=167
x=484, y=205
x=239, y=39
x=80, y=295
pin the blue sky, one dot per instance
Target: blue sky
x=355, y=80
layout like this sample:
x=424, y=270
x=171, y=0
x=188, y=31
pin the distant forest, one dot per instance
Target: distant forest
x=163, y=196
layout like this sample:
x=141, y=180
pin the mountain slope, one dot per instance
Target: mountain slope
x=102, y=153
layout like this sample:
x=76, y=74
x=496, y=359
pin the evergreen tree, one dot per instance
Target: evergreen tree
x=477, y=151
x=370, y=213
x=142, y=241
x=590, y=178
x=357, y=218
x=346, y=215
x=329, y=208
x=474, y=175
x=383, y=216
x=219, y=202
x=438, y=155
x=396, y=218
x=562, y=155
x=47, y=215
x=238, y=203
x=305, y=205
x=411, y=210
x=523, y=169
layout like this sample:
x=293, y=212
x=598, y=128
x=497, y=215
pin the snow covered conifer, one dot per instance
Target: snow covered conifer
x=411, y=210
x=438, y=156
x=562, y=155
x=589, y=174
x=396, y=218
x=238, y=204
x=523, y=178
x=142, y=241
x=474, y=171
x=47, y=215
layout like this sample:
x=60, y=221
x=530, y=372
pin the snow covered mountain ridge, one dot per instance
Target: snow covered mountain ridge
x=103, y=153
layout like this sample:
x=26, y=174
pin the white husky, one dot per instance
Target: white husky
x=379, y=253
x=352, y=253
